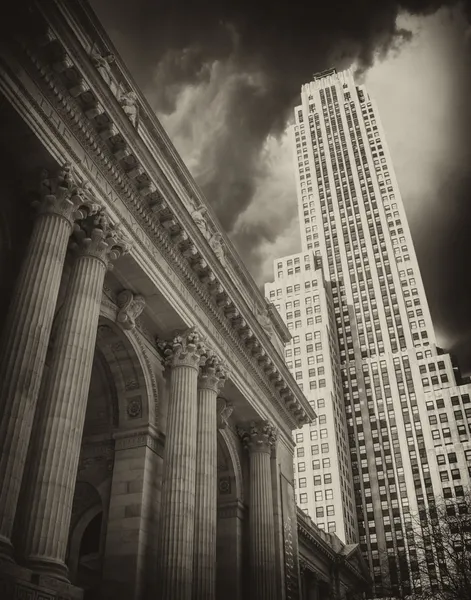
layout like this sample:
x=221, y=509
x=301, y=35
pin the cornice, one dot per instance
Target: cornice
x=305, y=564
x=93, y=29
x=166, y=188
x=273, y=376
x=310, y=535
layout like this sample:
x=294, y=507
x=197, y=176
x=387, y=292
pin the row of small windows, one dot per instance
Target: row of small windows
x=434, y=380
x=318, y=496
x=296, y=288
x=317, y=480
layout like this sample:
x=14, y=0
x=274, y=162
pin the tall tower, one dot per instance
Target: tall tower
x=391, y=392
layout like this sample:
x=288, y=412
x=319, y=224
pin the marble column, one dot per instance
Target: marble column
x=61, y=415
x=259, y=438
x=211, y=380
x=183, y=356
x=27, y=330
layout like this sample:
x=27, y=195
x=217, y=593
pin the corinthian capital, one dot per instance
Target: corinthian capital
x=130, y=307
x=213, y=373
x=97, y=237
x=61, y=194
x=259, y=436
x=185, y=350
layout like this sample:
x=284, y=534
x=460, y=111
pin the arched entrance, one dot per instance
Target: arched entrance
x=232, y=522
x=106, y=539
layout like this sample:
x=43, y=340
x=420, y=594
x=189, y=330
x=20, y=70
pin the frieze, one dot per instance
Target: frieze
x=139, y=439
x=231, y=510
x=139, y=233
x=94, y=449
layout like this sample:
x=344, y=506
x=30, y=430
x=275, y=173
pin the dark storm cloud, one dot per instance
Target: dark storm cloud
x=287, y=42
x=269, y=50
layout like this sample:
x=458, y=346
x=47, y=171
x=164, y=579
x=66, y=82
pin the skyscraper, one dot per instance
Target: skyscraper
x=391, y=432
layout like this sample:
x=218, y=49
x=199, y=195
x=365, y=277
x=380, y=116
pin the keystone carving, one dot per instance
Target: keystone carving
x=225, y=410
x=130, y=307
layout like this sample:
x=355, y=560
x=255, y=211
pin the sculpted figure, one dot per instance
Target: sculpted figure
x=199, y=219
x=102, y=63
x=128, y=101
x=265, y=321
x=216, y=244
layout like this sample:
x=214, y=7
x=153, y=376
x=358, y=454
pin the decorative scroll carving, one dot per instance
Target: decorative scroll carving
x=225, y=410
x=130, y=307
x=259, y=436
x=186, y=349
x=213, y=373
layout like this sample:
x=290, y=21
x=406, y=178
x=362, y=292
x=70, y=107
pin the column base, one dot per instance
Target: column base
x=6, y=550
x=49, y=568
x=20, y=582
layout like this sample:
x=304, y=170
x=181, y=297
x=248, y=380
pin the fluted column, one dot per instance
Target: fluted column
x=26, y=335
x=183, y=356
x=259, y=438
x=56, y=443
x=211, y=380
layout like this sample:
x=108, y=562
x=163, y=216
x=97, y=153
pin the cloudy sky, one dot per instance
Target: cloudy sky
x=224, y=76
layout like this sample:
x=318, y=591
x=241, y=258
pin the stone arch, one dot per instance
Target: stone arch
x=130, y=373
x=232, y=453
x=76, y=536
x=231, y=516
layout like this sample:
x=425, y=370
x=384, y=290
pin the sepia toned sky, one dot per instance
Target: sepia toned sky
x=224, y=78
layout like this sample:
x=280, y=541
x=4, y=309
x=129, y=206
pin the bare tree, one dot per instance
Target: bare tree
x=443, y=541
x=441, y=560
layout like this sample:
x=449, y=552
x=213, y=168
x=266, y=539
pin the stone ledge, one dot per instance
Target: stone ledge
x=17, y=582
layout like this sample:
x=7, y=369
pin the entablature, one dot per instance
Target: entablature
x=121, y=128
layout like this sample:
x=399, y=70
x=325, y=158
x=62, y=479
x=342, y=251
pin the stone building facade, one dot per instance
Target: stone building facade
x=145, y=407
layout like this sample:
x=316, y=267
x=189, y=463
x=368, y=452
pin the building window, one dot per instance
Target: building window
x=303, y=498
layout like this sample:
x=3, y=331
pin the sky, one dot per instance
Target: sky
x=223, y=78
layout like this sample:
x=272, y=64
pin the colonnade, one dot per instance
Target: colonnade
x=68, y=218
x=189, y=499
x=63, y=207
